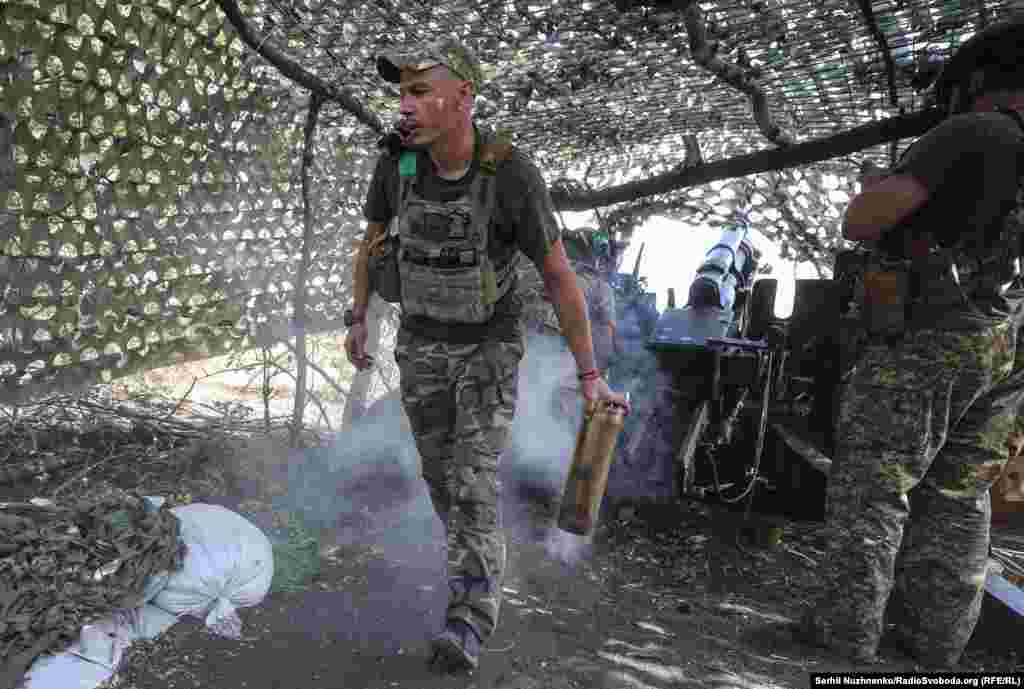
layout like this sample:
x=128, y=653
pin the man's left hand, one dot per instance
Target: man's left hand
x=597, y=389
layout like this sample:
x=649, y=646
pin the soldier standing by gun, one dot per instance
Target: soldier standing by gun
x=450, y=210
x=925, y=416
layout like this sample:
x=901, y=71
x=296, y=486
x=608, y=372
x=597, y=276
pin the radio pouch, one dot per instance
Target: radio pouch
x=885, y=299
x=382, y=266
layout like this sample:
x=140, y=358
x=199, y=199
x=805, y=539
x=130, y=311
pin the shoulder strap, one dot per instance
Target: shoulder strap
x=493, y=154
x=406, y=177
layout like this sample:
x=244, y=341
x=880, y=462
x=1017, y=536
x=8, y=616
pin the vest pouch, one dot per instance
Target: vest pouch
x=489, y=283
x=939, y=291
x=884, y=301
x=382, y=267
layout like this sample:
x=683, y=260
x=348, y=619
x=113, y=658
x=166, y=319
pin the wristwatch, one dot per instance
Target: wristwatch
x=349, y=318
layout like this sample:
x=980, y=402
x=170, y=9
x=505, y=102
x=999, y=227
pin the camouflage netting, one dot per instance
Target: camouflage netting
x=67, y=566
x=151, y=159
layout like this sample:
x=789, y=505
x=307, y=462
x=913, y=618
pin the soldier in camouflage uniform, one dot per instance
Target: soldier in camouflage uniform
x=462, y=210
x=924, y=418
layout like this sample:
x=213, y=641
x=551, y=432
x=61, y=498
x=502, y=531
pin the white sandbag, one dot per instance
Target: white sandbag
x=147, y=621
x=229, y=564
x=65, y=671
x=97, y=653
x=154, y=585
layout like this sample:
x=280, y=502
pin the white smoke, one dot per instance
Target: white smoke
x=542, y=443
x=542, y=440
x=368, y=483
x=567, y=548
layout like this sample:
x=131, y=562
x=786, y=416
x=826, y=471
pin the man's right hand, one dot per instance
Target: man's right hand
x=355, y=347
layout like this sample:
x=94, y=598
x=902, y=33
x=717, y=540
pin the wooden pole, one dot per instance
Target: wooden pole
x=299, y=317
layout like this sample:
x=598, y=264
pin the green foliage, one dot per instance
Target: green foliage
x=296, y=555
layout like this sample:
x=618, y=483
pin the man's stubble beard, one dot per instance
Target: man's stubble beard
x=421, y=141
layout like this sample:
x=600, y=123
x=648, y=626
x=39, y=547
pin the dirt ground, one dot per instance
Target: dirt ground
x=665, y=598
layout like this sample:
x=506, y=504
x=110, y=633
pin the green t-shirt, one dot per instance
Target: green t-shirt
x=523, y=220
x=971, y=166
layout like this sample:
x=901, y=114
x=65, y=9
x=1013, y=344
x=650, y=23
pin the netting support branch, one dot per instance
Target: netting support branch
x=883, y=45
x=835, y=146
x=704, y=55
x=296, y=73
x=302, y=275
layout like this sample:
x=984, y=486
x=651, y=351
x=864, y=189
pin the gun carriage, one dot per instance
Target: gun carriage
x=754, y=394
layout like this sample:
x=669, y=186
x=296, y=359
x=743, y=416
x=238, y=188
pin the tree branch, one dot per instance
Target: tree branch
x=295, y=72
x=704, y=55
x=883, y=45
x=303, y=270
x=330, y=381
x=693, y=156
x=313, y=396
x=845, y=143
x=981, y=21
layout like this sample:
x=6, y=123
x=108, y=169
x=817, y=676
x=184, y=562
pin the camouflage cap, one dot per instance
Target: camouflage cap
x=448, y=52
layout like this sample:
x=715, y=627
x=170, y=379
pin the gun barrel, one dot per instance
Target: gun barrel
x=727, y=266
x=636, y=266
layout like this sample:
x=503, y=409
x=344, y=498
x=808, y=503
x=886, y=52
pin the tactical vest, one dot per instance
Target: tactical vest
x=445, y=271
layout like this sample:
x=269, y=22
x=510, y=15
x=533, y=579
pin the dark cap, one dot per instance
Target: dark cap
x=448, y=52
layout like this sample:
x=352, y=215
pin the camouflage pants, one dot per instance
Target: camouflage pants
x=921, y=438
x=460, y=401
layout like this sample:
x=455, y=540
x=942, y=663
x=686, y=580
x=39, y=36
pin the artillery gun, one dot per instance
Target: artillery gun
x=754, y=395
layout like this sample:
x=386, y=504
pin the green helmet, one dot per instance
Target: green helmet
x=989, y=61
x=585, y=245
